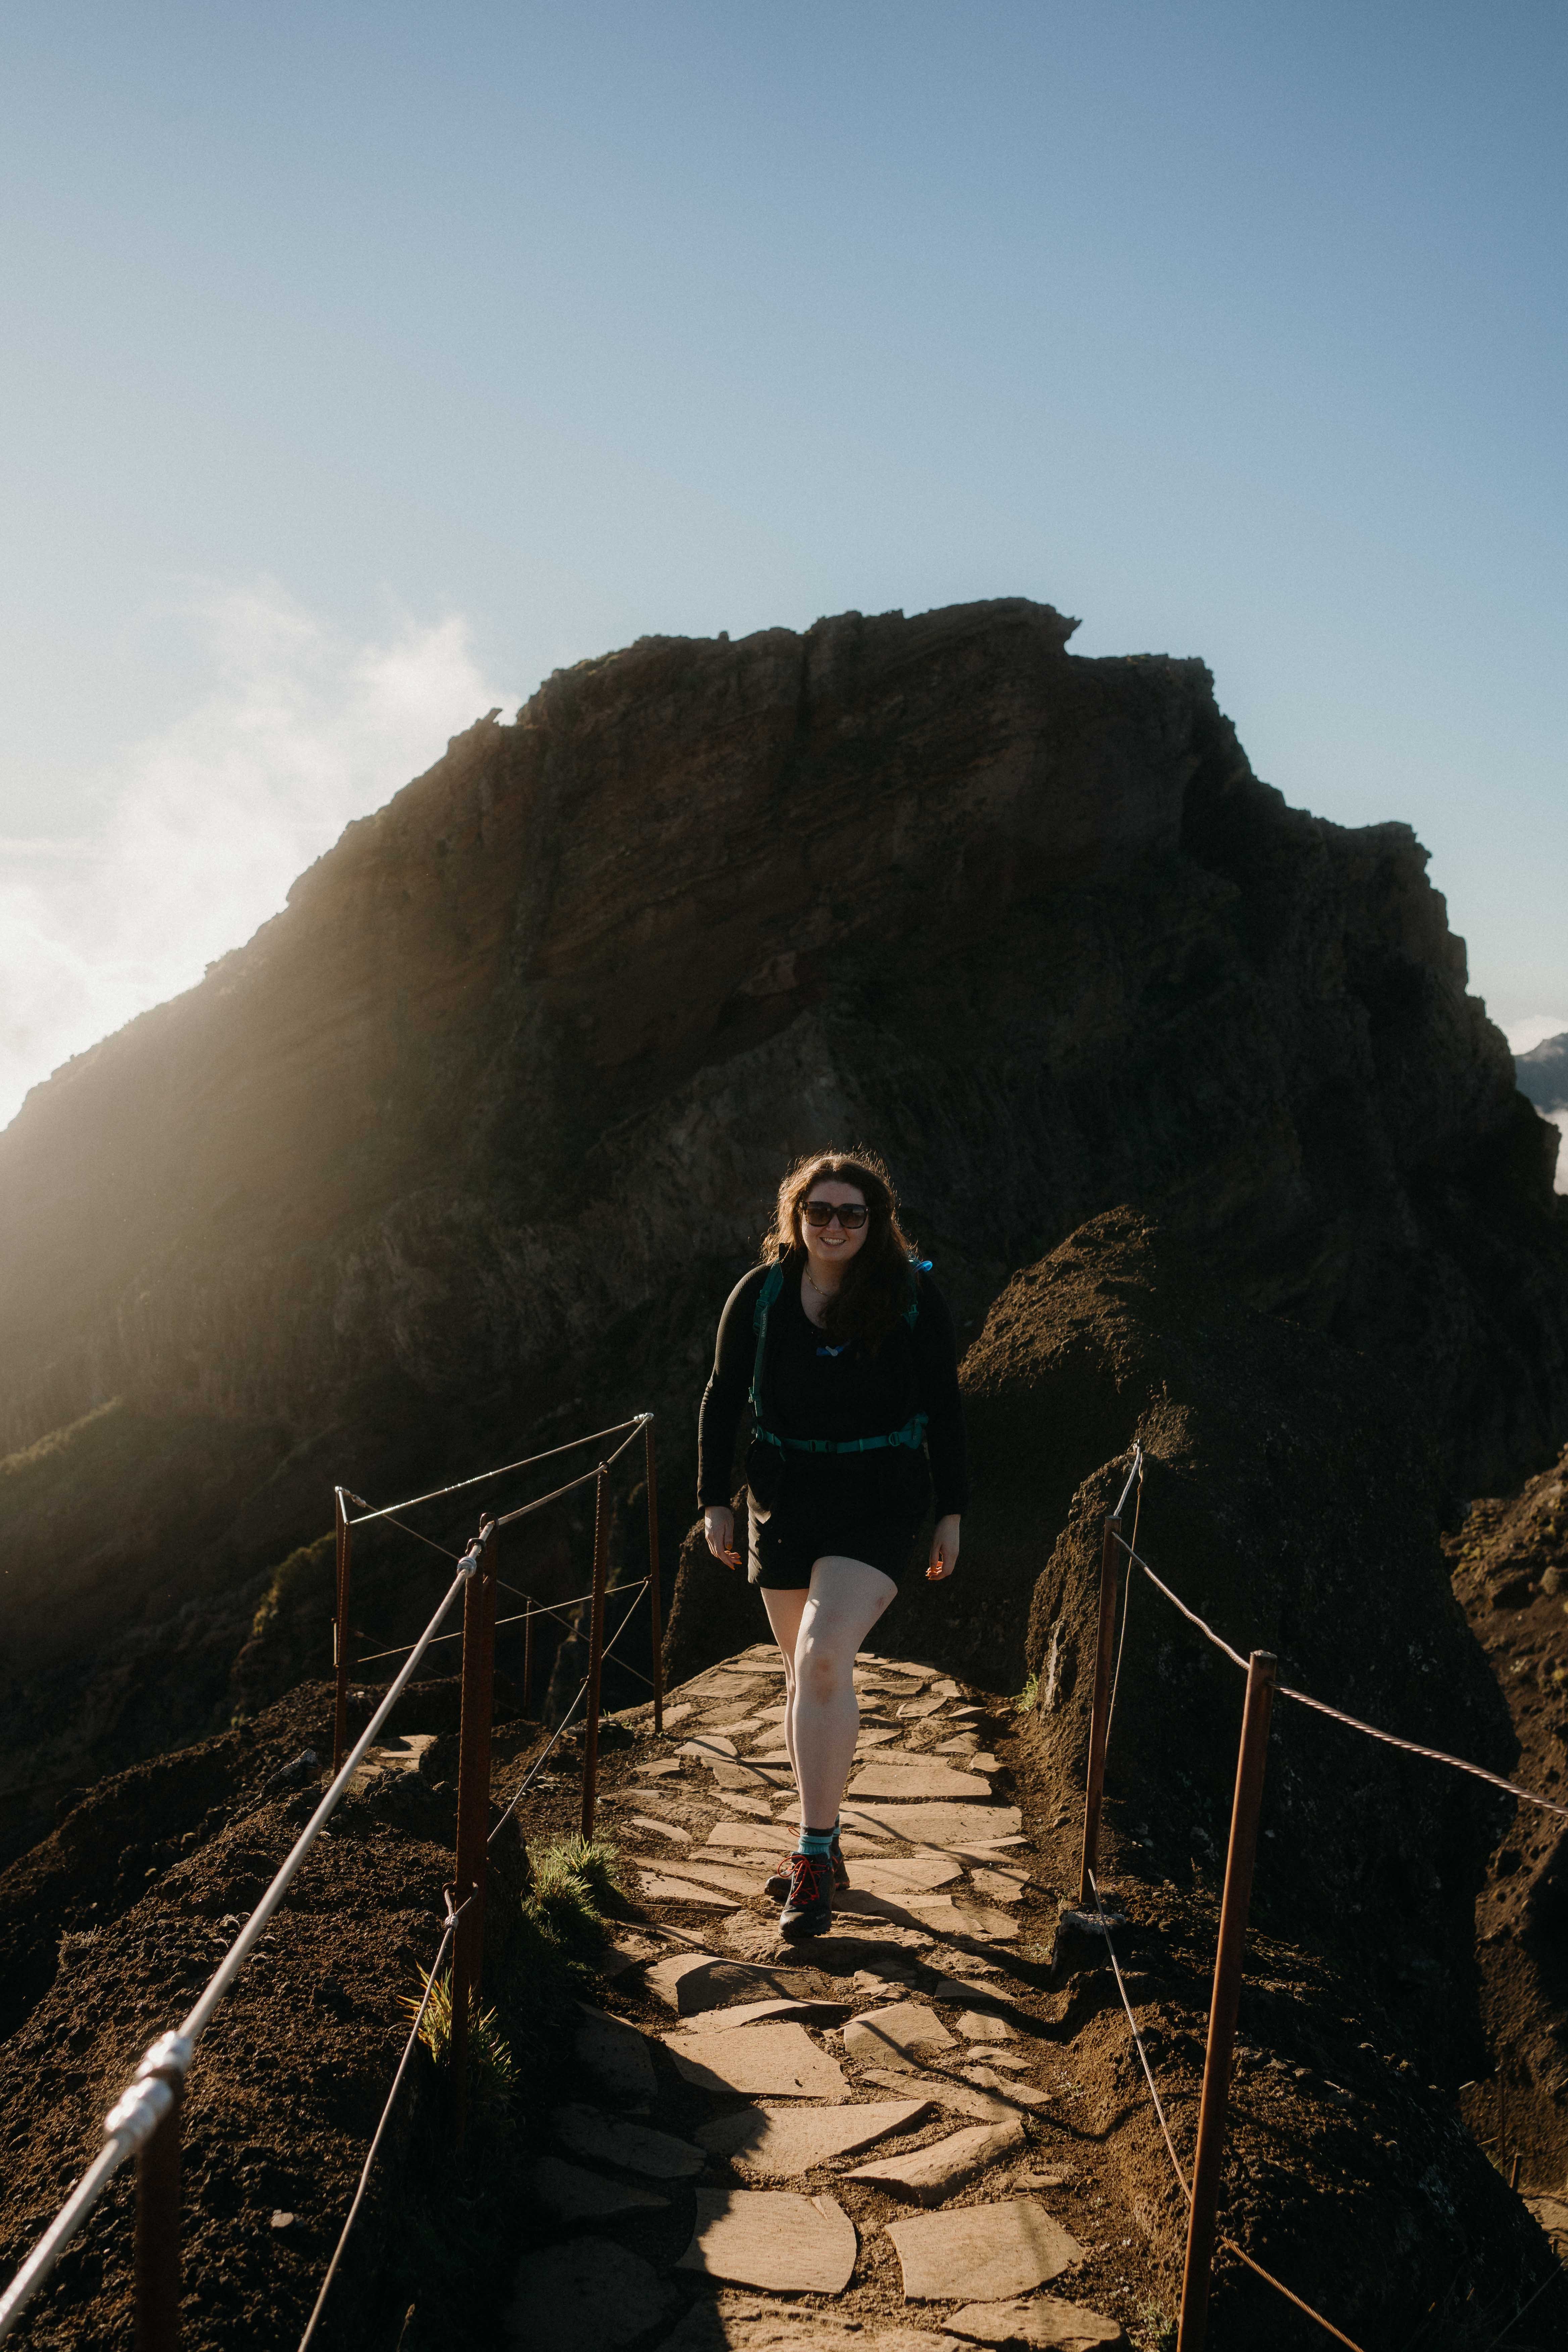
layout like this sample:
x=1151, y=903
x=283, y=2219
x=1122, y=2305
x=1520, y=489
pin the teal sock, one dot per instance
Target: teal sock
x=816, y=1842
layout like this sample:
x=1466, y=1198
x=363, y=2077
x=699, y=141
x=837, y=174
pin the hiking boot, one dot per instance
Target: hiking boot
x=776, y=1886
x=808, y=1906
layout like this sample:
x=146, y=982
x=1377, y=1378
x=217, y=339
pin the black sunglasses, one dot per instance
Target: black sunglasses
x=819, y=1214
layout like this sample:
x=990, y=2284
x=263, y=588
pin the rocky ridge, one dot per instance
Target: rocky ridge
x=486, y=1123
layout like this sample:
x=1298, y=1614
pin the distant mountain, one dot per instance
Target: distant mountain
x=1543, y=1073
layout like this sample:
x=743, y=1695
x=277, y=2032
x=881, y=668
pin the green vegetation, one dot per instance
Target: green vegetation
x=1027, y=1700
x=459, y=2233
x=493, y=2069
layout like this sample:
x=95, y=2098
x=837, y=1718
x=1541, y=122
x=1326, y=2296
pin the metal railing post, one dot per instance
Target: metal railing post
x=595, y=1651
x=341, y=1635
x=1098, y=1719
x=473, y=1809
x=1238, y=1864
x=655, y=1619
x=158, y=2233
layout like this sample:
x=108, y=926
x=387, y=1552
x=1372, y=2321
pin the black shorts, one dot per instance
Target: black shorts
x=867, y=1507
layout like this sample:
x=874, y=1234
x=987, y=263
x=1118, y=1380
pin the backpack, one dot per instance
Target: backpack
x=912, y=1431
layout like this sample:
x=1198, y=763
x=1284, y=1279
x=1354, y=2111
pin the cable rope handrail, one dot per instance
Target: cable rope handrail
x=460, y=1485
x=534, y=1609
x=1352, y=1722
x=523, y=1509
x=541, y=1760
x=134, y=2117
x=430, y=1979
x=1136, y=1472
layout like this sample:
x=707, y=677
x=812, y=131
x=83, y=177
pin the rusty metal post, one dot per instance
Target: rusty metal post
x=527, y=1654
x=473, y=1808
x=1099, y=1722
x=596, y=1650
x=656, y=1615
x=1238, y=1863
x=158, y=2235
x=340, y=1635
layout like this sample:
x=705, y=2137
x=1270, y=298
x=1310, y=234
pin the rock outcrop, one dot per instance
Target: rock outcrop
x=475, y=1135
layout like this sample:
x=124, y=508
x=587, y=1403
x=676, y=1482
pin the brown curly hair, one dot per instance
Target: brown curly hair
x=875, y=1289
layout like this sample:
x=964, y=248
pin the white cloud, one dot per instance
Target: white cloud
x=1524, y=1035
x=207, y=823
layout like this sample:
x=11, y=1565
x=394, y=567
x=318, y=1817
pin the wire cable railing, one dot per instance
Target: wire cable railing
x=154, y=2089
x=1201, y=2193
x=145, y=2120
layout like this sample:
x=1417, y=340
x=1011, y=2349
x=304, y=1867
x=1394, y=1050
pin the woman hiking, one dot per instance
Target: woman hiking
x=844, y=1348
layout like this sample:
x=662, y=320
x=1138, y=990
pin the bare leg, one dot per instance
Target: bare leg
x=845, y=1600
x=785, y=1607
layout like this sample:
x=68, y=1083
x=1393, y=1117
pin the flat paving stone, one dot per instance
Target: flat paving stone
x=989, y=1927
x=693, y=1983
x=777, y=2061
x=734, y=2321
x=805, y=2011
x=772, y=2238
x=908, y=1874
x=934, y=1824
x=682, y=1890
x=873, y=1735
x=930, y=2175
x=571, y=2194
x=741, y=1773
x=977, y=2025
x=886, y=2037
x=920, y=1777
x=659, y=1767
x=666, y=1979
x=674, y=1715
x=913, y=1709
x=634, y=2148
x=670, y=1829
x=706, y=1870
x=902, y=1666
x=981, y=2253
x=758, y=1807
x=1021, y=2095
x=1001, y=1885
x=590, y=2291
x=954, y=2098
x=745, y=1833
x=1041, y=2320
x=707, y=1745
x=780, y=2143
x=614, y=2053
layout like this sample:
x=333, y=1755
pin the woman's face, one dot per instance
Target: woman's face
x=830, y=1244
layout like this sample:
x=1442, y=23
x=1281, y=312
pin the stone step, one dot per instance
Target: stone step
x=780, y=2143
x=772, y=2238
x=634, y=2147
x=777, y=2061
x=930, y=2175
x=981, y=2253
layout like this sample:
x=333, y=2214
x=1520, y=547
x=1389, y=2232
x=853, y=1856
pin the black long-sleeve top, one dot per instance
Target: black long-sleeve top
x=808, y=1391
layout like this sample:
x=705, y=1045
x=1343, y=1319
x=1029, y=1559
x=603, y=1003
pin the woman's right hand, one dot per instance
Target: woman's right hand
x=719, y=1526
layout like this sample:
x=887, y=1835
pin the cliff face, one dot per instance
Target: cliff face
x=487, y=1121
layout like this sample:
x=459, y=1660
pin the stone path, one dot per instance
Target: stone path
x=850, y=2133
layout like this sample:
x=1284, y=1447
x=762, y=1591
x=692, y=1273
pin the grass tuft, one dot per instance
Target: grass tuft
x=493, y=2069
x=1027, y=1699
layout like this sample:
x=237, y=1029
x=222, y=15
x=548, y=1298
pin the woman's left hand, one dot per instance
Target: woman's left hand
x=944, y=1549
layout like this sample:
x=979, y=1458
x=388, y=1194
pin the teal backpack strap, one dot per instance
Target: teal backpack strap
x=918, y=1266
x=773, y=1283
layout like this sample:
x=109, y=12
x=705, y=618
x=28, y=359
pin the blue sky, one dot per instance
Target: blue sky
x=366, y=364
